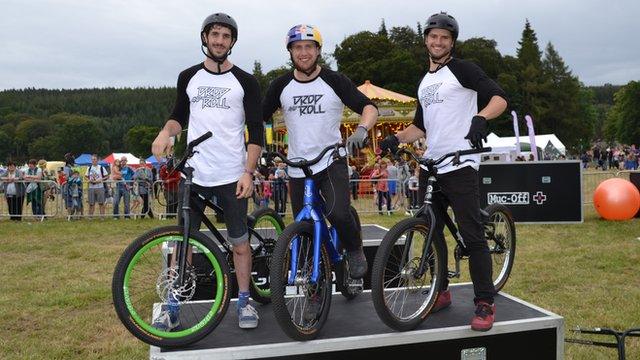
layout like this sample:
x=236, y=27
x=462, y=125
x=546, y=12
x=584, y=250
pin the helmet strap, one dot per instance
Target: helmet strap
x=218, y=60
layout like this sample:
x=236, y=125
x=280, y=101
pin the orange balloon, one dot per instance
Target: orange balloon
x=616, y=199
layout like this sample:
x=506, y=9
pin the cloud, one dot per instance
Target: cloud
x=72, y=44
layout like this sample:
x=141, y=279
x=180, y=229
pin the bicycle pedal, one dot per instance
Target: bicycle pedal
x=453, y=274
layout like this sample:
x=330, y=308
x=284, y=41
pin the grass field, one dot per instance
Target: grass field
x=56, y=277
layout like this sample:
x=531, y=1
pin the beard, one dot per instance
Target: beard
x=308, y=70
x=441, y=57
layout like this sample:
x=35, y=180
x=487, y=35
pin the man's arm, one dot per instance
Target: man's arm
x=162, y=143
x=369, y=117
x=410, y=134
x=496, y=106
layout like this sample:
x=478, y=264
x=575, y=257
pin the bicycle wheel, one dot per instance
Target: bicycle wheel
x=266, y=225
x=500, y=232
x=301, y=309
x=401, y=297
x=350, y=288
x=146, y=277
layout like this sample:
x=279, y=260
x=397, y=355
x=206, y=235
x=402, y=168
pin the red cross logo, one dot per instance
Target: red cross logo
x=539, y=198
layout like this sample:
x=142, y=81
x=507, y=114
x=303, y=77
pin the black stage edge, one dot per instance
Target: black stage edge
x=521, y=331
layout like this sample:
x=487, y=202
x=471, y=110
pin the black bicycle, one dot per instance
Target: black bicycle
x=188, y=273
x=410, y=264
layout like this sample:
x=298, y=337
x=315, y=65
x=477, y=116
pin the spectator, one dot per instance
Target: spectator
x=14, y=190
x=74, y=194
x=392, y=181
x=34, y=191
x=171, y=185
x=413, y=186
x=123, y=183
x=354, y=182
x=382, y=186
x=143, y=177
x=96, y=174
x=280, y=187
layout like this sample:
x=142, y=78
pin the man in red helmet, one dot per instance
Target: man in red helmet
x=218, y=96
x=454, y=95
x=312, y=98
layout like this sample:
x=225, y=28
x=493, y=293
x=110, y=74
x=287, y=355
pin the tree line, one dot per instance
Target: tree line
x=41, y=123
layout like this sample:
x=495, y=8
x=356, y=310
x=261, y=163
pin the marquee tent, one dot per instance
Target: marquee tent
x=132, y=161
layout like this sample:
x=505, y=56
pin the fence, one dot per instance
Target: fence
x=57, y=201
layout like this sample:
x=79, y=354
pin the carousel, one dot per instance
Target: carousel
x=395, y=112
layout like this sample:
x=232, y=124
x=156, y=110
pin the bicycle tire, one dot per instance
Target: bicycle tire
x=500, y=232
x=293, y=305
x=145, y=264
x=268, y=224
x=347, y=291
x=401, y=301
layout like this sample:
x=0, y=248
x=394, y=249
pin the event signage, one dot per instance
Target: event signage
x=536, y=191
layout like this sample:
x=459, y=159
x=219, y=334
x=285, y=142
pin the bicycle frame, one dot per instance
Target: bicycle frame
x=312, y=210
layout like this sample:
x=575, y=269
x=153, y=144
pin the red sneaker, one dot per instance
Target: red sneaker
x=485, y=314
x=443, y=300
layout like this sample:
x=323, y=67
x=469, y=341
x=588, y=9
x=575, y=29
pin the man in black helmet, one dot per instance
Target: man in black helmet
x=219, y=97
x=455, y=95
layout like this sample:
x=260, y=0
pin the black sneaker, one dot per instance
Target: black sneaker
x=357, y=264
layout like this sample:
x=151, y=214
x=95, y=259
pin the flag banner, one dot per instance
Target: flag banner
x=516, y=131
x=532, y=137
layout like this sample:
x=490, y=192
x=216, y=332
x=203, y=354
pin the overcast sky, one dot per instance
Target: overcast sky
x=129, y=43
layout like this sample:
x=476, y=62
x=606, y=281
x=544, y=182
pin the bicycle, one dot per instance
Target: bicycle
x=410, y=264
x=301, y=271
x=165, y=267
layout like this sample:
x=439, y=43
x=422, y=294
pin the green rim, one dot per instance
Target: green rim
x=216, y=303
x=266, y=292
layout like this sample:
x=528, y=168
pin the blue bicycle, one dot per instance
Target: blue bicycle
x=301, y=263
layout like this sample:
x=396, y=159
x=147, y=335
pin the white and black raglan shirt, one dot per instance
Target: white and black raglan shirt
x=447, y=101
x=221, y=103
x=312, y=113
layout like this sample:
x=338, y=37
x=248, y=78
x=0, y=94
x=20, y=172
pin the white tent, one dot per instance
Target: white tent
x=504, y=148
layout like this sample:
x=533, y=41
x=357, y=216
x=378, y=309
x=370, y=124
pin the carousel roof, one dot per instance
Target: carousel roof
x=377, y=93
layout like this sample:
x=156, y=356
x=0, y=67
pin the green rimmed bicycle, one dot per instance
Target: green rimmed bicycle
x=188, y=272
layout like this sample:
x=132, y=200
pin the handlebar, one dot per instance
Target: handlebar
x=307, y=163
x=189, y=152
x=455, y=154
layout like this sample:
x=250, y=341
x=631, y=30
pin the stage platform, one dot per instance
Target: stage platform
x=354, y=331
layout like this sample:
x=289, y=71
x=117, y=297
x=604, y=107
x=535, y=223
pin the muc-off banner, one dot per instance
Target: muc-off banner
x=545, y=191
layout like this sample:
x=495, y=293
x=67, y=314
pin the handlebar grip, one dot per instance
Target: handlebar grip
x=200, y=139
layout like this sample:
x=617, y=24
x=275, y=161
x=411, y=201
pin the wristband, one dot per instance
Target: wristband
x=248, y=172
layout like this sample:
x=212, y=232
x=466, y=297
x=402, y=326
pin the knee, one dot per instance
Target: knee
x=241, y=248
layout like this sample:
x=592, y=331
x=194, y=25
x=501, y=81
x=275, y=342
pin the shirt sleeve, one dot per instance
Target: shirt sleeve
x=471, y=76
x=252, y=106
x=181, y=109
x=418, y=118
x=346, y=91
x=271, y=101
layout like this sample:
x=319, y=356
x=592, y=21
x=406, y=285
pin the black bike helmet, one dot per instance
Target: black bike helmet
x=443, y=21
x=221, y=19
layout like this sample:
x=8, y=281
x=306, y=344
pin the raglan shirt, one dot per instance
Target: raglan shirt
x=447, y=101
x=221, y=103
x=312, y=113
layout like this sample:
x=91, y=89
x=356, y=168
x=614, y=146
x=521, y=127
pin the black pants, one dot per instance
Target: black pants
x=280, y=196
x=460, y=190
x=354, y=189
x=146, y=210
x=384, y=195
x=14, y=203
x=333, y=183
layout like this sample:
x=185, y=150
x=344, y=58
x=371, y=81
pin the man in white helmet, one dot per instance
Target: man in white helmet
x=312, y=98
